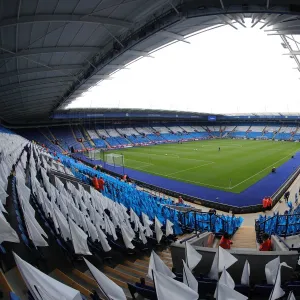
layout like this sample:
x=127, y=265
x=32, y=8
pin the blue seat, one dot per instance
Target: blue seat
x=146, y=293
x=295, y=288
x=25, y=240
x=2, y=250
x=13, y=296
x=21, y=228
x=262, y=290
x=19, y=220
x=243, y=289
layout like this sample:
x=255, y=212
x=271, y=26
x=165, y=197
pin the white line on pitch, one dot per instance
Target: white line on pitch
x=177, y=156
x=260, y=171
x=189, y=169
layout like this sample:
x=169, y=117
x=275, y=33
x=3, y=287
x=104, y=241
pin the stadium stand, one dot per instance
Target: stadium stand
x=46, y=197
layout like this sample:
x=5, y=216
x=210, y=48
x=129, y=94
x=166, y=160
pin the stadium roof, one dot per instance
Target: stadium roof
x=52, y=51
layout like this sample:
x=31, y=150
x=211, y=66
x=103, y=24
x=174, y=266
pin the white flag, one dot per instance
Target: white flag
x=2, y=208
x=188, y=278
x=225, y=259
x=226, y=293
x=169, y=228
x=278, y=292
x=62, y=223
x=103, y=239
x=246, y=274
x=107, y=286
x=222, y=259
x=79, y=239
x=271, y=270
x=127, y=237
x=156, y=264
x=142, y=237
x=168, y=288
x=291, y=296
x=192, y=256
x=34, y=232
x=42, y=286
x=7, y=233
x=227, y=280
x=158, y=231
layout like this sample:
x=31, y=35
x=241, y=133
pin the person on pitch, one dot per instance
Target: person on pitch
x=219, y=148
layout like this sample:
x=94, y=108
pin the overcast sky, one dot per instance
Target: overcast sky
x=220, y=71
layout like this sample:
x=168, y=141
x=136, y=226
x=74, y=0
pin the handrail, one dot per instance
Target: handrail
x=189, y=238
x=282, y=241
x=288, y=215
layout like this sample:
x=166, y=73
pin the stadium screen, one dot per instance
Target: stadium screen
x=212, y=118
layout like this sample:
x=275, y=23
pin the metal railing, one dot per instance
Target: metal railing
x=277, y=225
x=204, y=225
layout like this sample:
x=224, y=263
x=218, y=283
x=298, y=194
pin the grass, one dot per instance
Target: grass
x=238, y=165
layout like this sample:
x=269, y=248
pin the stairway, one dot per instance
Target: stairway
x=131, y=271
x=87, y=136
x=75, y=138
x=245, y=237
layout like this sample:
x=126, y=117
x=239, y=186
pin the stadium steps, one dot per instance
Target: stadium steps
x=132, y=271
x=100, y=137
x=46, y=137
x=76, y=137
x=87, y=136
x=5, y=287
x=86, y=279
x=245, y=237
x=16, y=283
x=62, y=277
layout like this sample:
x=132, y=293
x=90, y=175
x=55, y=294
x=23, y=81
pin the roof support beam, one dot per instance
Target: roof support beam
x=35, y=93
x=43, y=50
x=26, y=89
x=176, y=36
x=139, y=53
x=293, y=53
x=28, y=83
x=42, y=69
x=64, y=18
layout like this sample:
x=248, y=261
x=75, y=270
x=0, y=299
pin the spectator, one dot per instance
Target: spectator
x=95, y=183
x=269, y=202
x=180, y=200
x=265, y=203
x=212, y=211
x=225, y=242
x=286, y=196
x=101, y=183
x=266, y=244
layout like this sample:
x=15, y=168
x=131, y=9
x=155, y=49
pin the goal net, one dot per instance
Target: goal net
x=116, y=160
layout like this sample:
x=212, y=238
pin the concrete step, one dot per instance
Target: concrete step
x=62, y=277
x=16, y=283
x=6, y=288
x=245, y=237
x=88, y=281
x=136, y=266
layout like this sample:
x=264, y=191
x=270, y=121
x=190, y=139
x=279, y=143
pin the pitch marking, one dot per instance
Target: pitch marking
x=189, y=169
x=261, y=171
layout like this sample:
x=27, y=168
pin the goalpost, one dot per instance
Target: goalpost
x=115, y=160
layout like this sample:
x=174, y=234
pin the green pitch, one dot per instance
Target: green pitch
x=238, y=165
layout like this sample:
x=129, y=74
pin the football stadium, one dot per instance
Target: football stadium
x=149, y=149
